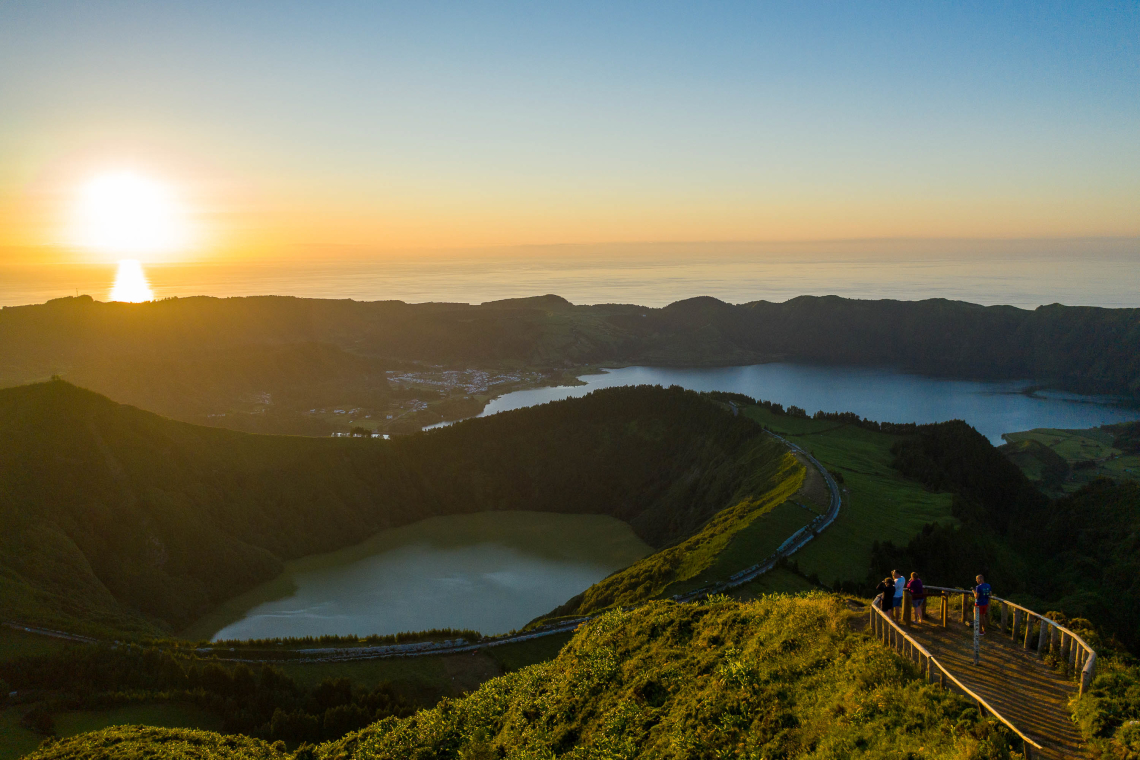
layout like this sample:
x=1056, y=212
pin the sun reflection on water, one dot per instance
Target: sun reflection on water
x=131, y=285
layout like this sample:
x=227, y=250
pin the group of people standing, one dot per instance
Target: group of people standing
x=892, y=588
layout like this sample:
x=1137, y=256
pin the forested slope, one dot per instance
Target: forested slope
x=190, y=357
x=119, y=518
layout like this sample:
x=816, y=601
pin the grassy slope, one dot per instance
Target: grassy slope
x=1070, y=446
x=124, y=521
x=879, y=504
x=138, y=742
x=698, y=559
x=161, y=715
x=17, y=741
x=780, y=677
x=753, y=543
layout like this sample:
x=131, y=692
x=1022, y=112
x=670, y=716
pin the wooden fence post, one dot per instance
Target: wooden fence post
x=977, y=636
x=964, y=597
x=1066, y=645
x=1004, y=615
x=1043, y=639
x=908, y=607
x=1075, y=654
x=1028, y=631
x=945, y=609
x=1087, y=674
x=1016, y=623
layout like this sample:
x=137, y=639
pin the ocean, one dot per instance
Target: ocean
x=1026, y=274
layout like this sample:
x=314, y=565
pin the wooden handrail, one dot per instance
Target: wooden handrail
x=932, y=662
x=1085, y=664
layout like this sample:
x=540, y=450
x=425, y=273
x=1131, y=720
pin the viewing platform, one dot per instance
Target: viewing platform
x=1024, y=672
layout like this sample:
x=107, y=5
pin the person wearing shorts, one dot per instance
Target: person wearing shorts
x=982, y=601
x=900, y=586
x=918, y=596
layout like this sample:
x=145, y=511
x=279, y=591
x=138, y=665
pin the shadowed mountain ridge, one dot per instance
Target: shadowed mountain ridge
x=118, y=518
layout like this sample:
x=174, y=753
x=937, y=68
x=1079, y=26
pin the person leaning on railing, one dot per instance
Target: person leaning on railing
x=886, y=589
x=917, y=596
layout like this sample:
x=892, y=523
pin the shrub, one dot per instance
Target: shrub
x=39, y=719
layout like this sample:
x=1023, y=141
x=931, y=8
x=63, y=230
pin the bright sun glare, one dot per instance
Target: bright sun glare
x=125, y=214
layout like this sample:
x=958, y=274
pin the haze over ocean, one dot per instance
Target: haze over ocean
x=1019, y=273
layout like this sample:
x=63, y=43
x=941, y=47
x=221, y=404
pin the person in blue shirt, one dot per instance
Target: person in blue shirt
x=900, y=586
x=982, y=600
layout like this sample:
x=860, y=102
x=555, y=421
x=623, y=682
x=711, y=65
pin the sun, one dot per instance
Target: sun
x=126, y=215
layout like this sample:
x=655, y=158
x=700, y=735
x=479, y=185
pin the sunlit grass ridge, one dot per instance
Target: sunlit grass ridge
x=780, y=677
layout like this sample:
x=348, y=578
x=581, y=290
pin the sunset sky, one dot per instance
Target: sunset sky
x=274, y=126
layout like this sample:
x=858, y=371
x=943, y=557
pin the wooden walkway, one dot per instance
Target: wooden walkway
x=1030, y=694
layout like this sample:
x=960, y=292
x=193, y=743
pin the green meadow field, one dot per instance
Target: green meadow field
x=1088, y=453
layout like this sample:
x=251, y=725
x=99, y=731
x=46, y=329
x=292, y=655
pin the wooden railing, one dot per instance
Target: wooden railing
x=933, y=671
x=1076, y=656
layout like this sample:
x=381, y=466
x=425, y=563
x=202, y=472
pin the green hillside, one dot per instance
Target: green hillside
x=695, y=559
x=116, y=519
x=780, y=677
x=1062, y=461
x=264, y=364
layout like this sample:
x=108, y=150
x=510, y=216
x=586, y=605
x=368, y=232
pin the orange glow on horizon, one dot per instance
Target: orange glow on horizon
x=76, y=214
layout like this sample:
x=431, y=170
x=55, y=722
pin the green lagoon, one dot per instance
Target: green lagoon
x=490, y=571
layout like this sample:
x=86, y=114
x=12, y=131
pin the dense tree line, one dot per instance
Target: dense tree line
x=840, y=418
x=1126, y=436
x=334, y=640
x=260, y=701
